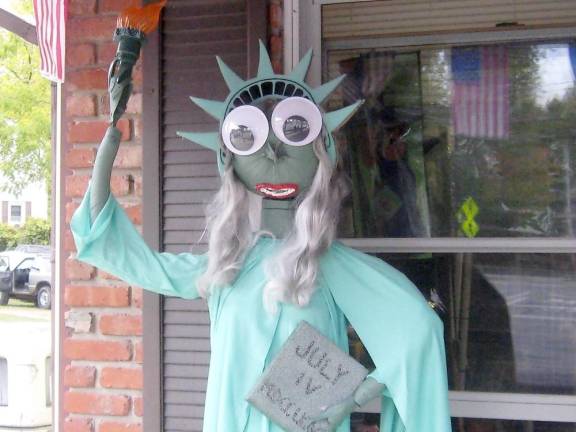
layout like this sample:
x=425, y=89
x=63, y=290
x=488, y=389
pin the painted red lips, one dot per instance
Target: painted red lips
x=277, y=191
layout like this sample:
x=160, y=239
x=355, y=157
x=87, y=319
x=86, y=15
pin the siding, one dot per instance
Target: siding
x=193, y=33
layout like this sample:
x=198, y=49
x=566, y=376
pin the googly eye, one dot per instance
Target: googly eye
x=296, y=121
x=245, y=130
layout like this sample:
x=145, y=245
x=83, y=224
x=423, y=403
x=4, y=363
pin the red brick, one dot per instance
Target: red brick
x=96, y=403
x=134, y=104
x=121, y=378
x=76, y=270
x=71, y=207
x=121, y=185
x=78, y=425
x=138, y=406
x=69, y=245
x=99, y=350
x=80, y=105
x=103, y=275
x=108, y=426
x=116, y=5
x=138, y=351
x=105, y=52
x=88, y=79
x=81, y=7
x=134, y=213
x=78, y=55
x=84, y=296
x=91, y=28
x=80, y=158
x=129, y=156
x=79, y=376
x=76, y=185
x=137, y=185
x=136, y=296
x=94, y=130
x=121, y=325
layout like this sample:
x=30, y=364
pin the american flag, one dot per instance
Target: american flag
x=480, y=92
x=50, y=26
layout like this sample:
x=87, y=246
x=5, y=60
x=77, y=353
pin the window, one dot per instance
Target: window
x=462, y=166
x=15, y=214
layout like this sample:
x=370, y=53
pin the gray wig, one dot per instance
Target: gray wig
x=292, y=272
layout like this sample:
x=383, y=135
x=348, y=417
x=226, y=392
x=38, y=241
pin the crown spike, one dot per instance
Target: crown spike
x=233, y=81
x=214, y=108
x=264, y=65
x=336, y=119
x=209, y=140
x=322, y=92
x=301, y=69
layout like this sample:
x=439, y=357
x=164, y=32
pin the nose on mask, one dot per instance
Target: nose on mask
x=274, y=149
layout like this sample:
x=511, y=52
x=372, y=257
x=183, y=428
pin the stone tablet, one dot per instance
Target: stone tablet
x=308, y=374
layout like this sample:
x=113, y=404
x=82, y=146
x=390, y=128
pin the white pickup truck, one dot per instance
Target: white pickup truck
x=26, y=276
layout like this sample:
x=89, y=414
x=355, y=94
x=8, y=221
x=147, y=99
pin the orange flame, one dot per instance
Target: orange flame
x=144, y=19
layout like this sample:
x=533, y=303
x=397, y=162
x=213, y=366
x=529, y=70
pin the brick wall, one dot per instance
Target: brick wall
x=102, y=346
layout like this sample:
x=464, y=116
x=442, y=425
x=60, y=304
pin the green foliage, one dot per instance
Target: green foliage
x=24, y=114
x=34, y=231
x=8, y=237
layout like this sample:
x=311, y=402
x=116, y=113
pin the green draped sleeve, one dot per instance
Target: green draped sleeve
x=113, y=244
x=402, y=334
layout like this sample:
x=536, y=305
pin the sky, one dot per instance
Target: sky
x=556, y=75
x=12, y=6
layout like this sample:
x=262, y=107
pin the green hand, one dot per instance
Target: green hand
x=365, y=392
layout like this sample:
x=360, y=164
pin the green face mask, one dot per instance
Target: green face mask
x=268, y=126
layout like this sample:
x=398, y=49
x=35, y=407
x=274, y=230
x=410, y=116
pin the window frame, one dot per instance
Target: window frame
x=11, y=219
x=303, y=31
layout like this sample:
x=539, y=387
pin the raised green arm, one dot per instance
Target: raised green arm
x=119, y=89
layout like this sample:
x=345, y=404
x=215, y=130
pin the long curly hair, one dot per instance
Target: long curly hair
x=293, y=270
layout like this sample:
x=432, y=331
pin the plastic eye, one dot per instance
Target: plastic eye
x=245, y=130
x=296, y=121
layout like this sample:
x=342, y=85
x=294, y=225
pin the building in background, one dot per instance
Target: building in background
x=31, y=203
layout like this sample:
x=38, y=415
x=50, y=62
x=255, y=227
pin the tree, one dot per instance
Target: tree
x=8, y=237
x=24, y=113
x=34, y=231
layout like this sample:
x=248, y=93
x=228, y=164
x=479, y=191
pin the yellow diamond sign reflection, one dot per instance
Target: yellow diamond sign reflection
x=465, y=216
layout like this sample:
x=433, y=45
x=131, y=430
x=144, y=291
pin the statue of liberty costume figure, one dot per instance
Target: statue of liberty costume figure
x=276, y=142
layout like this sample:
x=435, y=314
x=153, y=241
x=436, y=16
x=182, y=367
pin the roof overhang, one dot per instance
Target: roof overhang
x=18, y=26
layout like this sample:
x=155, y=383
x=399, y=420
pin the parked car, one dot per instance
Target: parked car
x=26, y=276
x=33, y=249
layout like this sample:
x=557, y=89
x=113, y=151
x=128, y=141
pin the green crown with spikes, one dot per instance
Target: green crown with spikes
x=267, y=83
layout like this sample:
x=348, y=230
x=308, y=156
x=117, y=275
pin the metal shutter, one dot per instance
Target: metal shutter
x=193, y=33
x=410, y=17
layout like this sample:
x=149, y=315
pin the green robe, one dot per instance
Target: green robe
x=403, y=335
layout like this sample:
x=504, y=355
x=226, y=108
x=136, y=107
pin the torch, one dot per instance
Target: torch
x=132, y=26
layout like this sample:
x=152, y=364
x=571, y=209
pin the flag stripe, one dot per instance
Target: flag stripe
x=480, y=99
x=50, y=27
